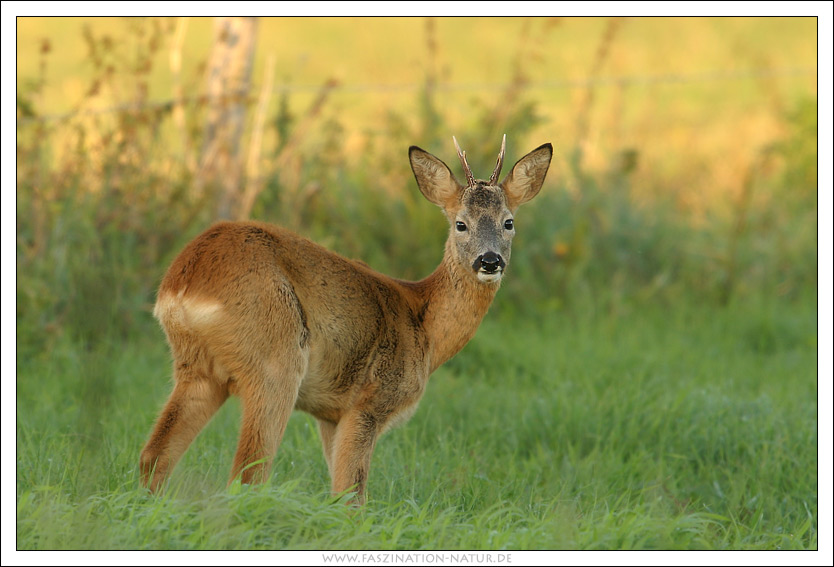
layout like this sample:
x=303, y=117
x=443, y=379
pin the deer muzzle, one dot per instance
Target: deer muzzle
x=489, y=263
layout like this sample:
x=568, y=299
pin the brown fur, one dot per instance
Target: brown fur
x=257, y=311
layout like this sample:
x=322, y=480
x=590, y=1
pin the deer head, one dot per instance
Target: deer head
x=480, y=213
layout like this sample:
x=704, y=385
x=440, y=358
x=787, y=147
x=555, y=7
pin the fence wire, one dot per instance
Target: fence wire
x=557, y=84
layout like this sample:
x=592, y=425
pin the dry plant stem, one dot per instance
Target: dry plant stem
x=254, y=182
x=584, y=111
x=178, y=108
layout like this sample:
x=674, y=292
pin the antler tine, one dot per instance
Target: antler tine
x=470, y=179
x=497, y=171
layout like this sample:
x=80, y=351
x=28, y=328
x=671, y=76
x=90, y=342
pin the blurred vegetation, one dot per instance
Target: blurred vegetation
x=107, y=198
x=662, y=285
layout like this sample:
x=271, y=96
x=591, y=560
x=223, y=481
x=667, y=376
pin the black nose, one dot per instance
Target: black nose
x=491, y=263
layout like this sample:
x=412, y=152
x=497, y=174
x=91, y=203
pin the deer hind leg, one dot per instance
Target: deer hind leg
x=353, y=444
x=268, y=397
x=193, y=402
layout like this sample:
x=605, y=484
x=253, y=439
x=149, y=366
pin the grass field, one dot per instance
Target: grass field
x=652, y=377
x=643, y=431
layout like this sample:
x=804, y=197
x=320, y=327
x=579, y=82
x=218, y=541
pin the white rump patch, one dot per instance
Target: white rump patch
x=201, y=311
x=187, y=310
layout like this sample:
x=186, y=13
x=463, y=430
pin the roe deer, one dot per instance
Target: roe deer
x=254, y=310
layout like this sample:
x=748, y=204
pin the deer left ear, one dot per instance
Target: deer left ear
x=527, y=176
x=434, y=178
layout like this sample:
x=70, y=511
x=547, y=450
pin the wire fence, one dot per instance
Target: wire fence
x=557, y=84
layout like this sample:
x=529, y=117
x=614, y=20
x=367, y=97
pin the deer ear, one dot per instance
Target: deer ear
x=434, y=178
x=526, y=177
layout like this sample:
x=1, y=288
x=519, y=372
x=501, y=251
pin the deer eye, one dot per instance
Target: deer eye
x=461, y=226
x=508, y=224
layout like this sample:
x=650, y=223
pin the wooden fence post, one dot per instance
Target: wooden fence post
x=229, y=78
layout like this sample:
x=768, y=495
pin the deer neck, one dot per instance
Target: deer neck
x=454, y=303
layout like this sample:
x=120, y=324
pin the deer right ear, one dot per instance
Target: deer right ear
x=434, y=178
x=525, y=180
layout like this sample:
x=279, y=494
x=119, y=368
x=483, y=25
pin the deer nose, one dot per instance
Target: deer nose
x=490, y=263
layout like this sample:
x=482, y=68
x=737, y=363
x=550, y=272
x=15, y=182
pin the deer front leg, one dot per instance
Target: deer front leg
x=353, y=444
x=327, y=431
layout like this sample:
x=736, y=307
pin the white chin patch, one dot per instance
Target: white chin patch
x=490, y=278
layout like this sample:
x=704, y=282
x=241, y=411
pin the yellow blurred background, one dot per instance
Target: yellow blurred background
x=698, y=97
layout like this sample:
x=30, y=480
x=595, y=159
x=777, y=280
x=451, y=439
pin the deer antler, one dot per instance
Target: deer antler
x=470, y=179
x=494, y=178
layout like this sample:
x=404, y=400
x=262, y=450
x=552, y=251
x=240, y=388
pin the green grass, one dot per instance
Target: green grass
x=646, y=378
x=672, y=427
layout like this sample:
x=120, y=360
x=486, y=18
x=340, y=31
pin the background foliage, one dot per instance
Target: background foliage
x=655, y=337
